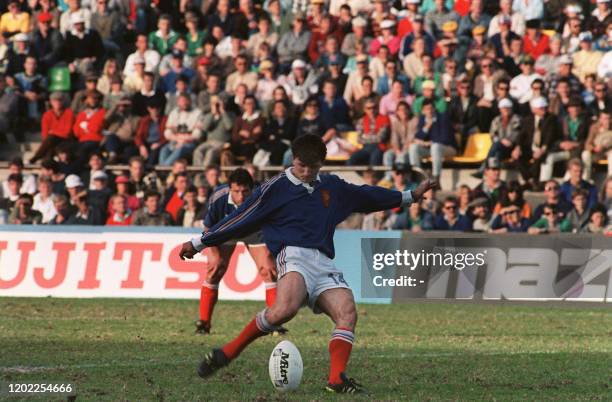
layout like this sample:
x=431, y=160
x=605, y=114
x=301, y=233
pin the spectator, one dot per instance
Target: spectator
x=23, y=214
x=389, y=102
x=28, y=181
x=120, y=214
x=150, y=214
x=56, y=127
x=579, y=216
x=358, y=35
x=450, y=219
x=150, y=56
x=492, y=187
x=515, y=19
x=505, y=132
x=598, y=144
x=248, y=130
x=88, y=126
x=550, y=222
x=300, y=84
x=333, y=108
x=122, y=185
x=373, y=131
x=14, y=20
x=178, y=69
x=11, y=193
x=606, y=196
x=463, y=111
x=538, y=136
x=182, y=132
x=217, y=124
x=535, y=43
x=164, y=38
x=428, y=89
x=192, y=212
x=598, y=221
x=83, y=47
x=434, y=19
x=547, y=64
x=413, y=62
x=99, y=194
x=403, y=131
x=147, y=94
x=353, y=89
x=480, y=215
x=50, y=169
x=242, y=75
x=387, y=38
x=586, y=60
x=42, y=201
x=86, y=214
x=119, y=129
x=150, y=133
x=139, y=182
x=433, y=138
x=414, y=219
x=510, y=221
x=312, y=123
x=575, y=169
x=367, y=93
x=520, y=85
x=514, y=196
x=280, y=131
x=64, y=209
x=293, y=45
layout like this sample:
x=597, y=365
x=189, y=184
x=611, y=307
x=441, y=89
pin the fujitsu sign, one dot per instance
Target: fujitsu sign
x=114, y=264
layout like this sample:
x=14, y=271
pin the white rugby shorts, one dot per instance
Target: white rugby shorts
x=317, y=269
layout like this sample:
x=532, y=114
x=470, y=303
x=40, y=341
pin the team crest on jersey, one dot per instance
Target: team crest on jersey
x=325, y=197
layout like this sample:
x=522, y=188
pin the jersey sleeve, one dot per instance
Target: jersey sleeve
x=366, y=199
x=246, y=219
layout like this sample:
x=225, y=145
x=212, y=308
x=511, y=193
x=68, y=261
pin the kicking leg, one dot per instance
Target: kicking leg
x=291, y=294
x=218, y=258
x=339, y=305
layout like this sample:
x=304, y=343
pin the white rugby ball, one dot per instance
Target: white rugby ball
x=286, y=367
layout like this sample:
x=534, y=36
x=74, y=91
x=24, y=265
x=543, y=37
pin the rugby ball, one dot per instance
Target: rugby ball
x=286, y=367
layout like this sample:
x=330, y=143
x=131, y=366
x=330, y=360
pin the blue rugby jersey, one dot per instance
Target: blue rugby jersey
x=292, y=213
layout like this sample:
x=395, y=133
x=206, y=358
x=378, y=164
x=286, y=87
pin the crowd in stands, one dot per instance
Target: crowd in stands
x=383, y=82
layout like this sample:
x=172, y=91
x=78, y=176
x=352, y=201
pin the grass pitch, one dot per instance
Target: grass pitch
x=141, y=350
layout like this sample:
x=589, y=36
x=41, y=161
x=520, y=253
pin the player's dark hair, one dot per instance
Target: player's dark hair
x=241, y=177
x=309, y=148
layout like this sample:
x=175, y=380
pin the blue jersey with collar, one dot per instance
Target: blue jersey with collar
x=290, y=213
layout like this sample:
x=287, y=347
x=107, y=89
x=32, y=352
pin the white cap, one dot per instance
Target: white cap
x=387, y=24
x=603, y=1
x=99, y=175
x=585, y=36
x=566, y=59
x=539, y=102
x=359, y=22
x=77, y=17
x=298, y=63
x=505, y=104
x=73, y=181
x=21, y=37
x=413, y=1
x=573, y=9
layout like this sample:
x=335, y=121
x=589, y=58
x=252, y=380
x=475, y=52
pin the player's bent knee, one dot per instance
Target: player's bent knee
x=215, y=272
x=280, y=314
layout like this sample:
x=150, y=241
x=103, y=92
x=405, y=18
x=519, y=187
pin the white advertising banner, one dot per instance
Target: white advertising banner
x=98, y=263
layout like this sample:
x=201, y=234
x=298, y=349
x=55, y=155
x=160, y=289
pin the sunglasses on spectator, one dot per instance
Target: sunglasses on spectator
x=514, y=211
x=486, y=65
x=450, y=207
x=552, y=188
x=600, y=90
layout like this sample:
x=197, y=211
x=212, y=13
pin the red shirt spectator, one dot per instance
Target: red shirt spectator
x=536, y=48
x=88, y=125
x=57, y=125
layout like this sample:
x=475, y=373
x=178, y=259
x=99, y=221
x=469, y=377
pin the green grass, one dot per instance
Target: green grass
x=140, y=350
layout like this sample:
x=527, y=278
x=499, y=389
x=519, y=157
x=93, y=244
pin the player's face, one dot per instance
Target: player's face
x=239, y=193
x=304, y=172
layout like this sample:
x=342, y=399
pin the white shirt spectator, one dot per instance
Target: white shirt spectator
x=604, y=70
x=520, y=86
x=65, y=25
x=151, y=62
x=45, y=207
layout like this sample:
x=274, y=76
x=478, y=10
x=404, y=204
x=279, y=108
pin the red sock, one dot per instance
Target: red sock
x=270, y=293
x=339, y=352
x=208, y=299
x=256, y=328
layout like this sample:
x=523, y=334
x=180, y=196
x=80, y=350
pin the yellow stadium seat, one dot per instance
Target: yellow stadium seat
x=476, y=150
x=603, y=162
x=549, y=32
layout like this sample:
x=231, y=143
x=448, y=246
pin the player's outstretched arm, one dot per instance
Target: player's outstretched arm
x=366, y=199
